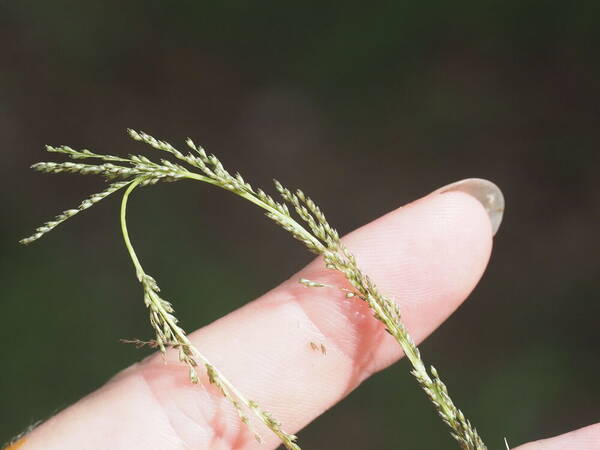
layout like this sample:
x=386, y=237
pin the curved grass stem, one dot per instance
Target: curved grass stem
x=170, y=334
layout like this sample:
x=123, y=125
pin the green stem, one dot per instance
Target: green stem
x=258, y=202
x=136, y=262
x=229, y=390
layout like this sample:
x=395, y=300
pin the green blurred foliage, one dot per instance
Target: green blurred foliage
x=366, y=108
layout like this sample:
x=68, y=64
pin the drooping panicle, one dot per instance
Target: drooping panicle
x=303, y=219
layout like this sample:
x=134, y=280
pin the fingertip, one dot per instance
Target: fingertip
x=428, y=256
x=439, y=244
x=587, y=438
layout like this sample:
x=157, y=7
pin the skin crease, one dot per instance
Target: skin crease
x=428, y=256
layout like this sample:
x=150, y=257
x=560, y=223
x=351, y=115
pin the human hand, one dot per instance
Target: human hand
x=428, y=255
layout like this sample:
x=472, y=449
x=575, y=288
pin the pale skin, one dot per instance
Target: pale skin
x=428, y=256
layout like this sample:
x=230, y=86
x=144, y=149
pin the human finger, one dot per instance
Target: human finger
x=428, y=256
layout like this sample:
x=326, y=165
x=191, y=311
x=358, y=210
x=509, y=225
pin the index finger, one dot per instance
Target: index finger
x=428, y=256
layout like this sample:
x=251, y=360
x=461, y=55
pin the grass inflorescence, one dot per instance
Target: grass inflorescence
x=296, y=213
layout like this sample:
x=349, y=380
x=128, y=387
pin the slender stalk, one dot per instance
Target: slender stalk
x=283, y=218
x=132, y=254
x=181, y=340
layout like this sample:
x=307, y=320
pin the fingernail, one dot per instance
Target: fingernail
x=486, y=192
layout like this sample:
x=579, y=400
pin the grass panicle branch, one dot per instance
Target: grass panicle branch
x=65, y=215
x=296, y=213
x=169, y=334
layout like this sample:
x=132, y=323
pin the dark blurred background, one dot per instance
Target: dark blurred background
x=366, y=107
